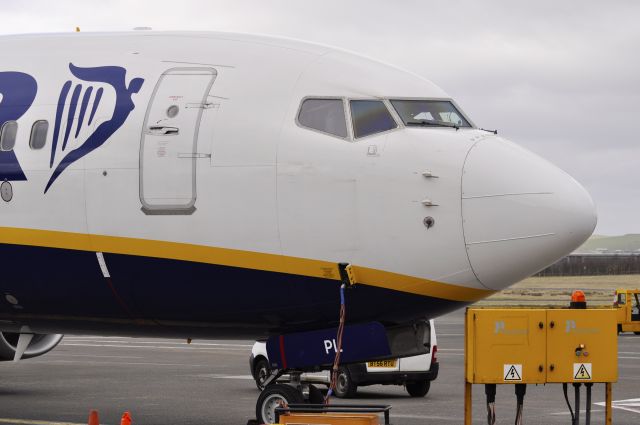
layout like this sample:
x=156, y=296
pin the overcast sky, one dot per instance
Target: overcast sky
x=561, y=78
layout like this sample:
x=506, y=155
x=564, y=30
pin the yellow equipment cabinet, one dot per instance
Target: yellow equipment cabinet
x=539, y=346
x=582, y=346
x=506, y=346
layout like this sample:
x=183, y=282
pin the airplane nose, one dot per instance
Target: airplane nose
x=520, y=212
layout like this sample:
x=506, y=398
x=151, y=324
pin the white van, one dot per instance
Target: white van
x=415, y=373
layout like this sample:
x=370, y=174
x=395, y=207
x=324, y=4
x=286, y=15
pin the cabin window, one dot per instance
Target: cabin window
x=39, y=134
x=8, y=134
x=425, y=113
x=370, y=117
x=325, y=115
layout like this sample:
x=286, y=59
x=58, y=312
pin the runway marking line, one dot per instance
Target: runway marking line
x=183, y=343
x=35, y=422
x=215, y=349
x=629, y=405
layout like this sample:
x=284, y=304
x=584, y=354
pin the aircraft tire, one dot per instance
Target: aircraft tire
x=272, y=397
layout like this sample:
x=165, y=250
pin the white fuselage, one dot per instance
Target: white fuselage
x=235, y=182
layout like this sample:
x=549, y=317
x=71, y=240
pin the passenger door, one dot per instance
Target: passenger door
x=169, y=146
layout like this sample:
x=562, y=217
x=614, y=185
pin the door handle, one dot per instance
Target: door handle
x=161, y=130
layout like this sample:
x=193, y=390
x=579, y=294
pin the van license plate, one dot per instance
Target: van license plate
x=383, y=363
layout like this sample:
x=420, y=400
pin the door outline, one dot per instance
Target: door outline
x=169, y=209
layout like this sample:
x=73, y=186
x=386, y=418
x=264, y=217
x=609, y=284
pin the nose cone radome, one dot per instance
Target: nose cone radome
x=520, y=213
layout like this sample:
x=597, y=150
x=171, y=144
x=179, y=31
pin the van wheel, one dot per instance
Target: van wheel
x=261, y=372
x=418, y=389
x=273, y=397
x=637, y=333
x=345, y=388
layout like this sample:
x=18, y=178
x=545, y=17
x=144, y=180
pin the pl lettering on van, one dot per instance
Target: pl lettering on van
x=330, y=345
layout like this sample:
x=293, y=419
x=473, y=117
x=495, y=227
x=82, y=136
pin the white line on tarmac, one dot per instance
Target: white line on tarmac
x=155, y=342
x=630, y=405
x=213, y=349
x=219, y=376
x=93, y=356
x=120, y=363
x=34, y=422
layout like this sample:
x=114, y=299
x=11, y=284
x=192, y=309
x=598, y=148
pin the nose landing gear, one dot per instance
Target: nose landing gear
x=276, y=395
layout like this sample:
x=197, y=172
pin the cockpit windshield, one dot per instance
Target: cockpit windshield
x=440, y=113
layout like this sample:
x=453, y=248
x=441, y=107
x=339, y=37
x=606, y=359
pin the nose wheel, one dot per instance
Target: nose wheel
x=274, y=396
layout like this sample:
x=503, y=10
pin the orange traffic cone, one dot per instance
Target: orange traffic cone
x=126, y=418
x=93, y=417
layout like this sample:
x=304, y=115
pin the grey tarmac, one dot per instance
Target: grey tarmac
x=167, y=382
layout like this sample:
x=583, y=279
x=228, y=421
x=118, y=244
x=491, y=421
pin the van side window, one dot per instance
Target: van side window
x=39, y=134
x=325, y=115
x=370, y=117
x=8, y=134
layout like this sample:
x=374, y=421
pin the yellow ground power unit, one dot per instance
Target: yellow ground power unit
x=539, y=346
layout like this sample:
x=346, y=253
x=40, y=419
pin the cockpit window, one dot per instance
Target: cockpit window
x=370, y=117
x=326, y=115
x=440, y=113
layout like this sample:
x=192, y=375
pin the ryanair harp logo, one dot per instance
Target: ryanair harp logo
x=87, y=96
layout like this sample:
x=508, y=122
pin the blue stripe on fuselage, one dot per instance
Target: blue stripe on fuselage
x=65, y=291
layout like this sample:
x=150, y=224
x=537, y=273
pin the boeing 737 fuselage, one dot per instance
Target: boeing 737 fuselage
x=208, y=185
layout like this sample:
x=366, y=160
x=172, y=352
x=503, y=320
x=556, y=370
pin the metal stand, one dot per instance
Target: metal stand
x=608, y=404
x=468, y=403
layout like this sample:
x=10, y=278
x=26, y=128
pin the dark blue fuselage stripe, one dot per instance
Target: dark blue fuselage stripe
x=207, y=299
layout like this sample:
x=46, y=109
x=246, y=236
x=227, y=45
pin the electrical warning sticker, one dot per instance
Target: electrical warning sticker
x=582, y=371
x=513, y=372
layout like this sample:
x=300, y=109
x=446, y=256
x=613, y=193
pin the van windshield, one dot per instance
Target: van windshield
x=429, y=113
